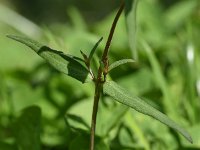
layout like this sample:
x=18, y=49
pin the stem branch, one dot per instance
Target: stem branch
x=98, y=81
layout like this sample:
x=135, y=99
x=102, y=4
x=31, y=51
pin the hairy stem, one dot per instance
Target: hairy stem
x=98, y=81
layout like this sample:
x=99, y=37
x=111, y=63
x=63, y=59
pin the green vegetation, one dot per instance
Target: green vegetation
x=42, y=108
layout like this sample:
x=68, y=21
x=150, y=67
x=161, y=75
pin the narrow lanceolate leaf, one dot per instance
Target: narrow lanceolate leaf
x=94, y=48
x=62, y=62
x=130, y=15
x=120, y=62
x=121, y=95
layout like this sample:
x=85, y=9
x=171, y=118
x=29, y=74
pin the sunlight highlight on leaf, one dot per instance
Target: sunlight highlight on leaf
x=64, y=63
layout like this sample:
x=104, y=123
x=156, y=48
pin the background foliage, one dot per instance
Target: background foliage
x=53, y=111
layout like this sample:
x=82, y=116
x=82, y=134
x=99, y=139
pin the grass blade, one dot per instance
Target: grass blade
x=130, y=15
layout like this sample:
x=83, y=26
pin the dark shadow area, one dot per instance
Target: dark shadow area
x=49, y=11
x=73, y=67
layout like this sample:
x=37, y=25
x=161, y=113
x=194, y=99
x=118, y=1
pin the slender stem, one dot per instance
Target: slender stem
x=106, y=49
x=94, y=114
x=98, y=81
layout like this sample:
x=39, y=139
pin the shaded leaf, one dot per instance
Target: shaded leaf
x=27, y=129
x=120, y=62
x=76, y=122
x=121, y=95
x=130, y=15
x=62, y=62
x=81, y=142
x=5, y=146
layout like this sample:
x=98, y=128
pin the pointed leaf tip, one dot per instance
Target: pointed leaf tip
x=94, y=49
x=121, y=95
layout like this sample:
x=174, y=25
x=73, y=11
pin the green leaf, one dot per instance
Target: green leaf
x=130, y=14
x=120, y=62
x=103, y=127
x=178, y=13
x=94, y=48
x=121, y=95
x=76, y=122
x=62, y=62
x=81, y=142
x=5, y=146
x=160, y=79
x=27, y=129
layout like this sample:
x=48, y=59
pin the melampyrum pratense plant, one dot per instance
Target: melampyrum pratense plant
x=73, y=66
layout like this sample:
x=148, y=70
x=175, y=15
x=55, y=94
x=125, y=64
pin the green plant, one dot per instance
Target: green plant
x=73, y=66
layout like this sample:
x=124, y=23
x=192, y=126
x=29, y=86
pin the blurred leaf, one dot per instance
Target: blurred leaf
x=76, y=18
x=139, y=83
x=120, y=62
x=5, y=146
x=160, y=79
x=121, y=95
x=62, y=62
x=27, y=129
x=179, y=12
x=136, y=130
x=81, y=142
x=130, y=13
x=82, y=109
x=21, y=24
x=107, y=122
x=76, y=122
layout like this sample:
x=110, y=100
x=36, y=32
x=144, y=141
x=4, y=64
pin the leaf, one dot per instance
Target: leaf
x=76, y=122
x=180, y=12
x=103, y=127
x=27, y=129
x=130, y=15
x=62, y=62
x=94, y=48
x=121, y=95
x=120, y=62
x=5, y=146
x=81, y=142
x=160, y=79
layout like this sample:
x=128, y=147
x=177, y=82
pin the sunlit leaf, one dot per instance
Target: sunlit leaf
x=130, y=14
x=94, y=48
x=62, y=62
x=27, y=129
x=121, y=95
x=76, y=122
x=120, y=62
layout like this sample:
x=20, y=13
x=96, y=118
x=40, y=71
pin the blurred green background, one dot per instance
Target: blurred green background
x=42, y=109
